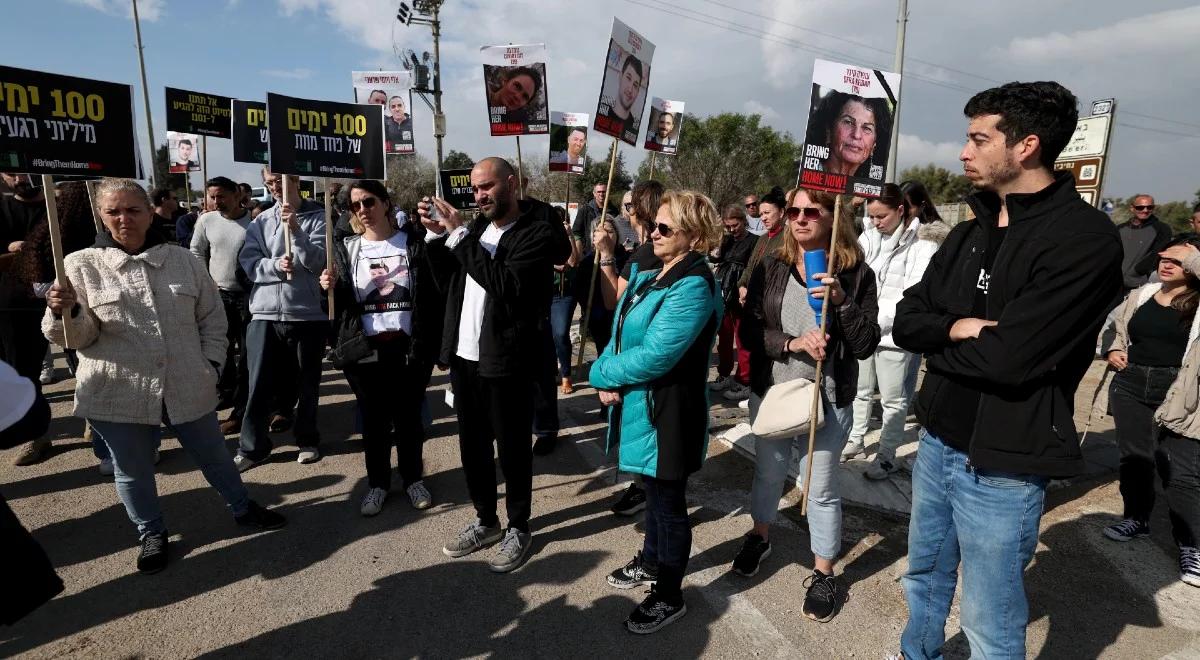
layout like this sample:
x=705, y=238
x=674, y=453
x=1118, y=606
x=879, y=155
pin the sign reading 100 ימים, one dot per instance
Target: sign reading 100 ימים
x=325, y=138
x=52, y=124
x=457, y=190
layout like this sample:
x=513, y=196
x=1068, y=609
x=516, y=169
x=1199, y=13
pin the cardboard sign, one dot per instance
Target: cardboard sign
x=183, y=150
x=456, y=189
x=514, y=84
x=325, y=138
x=850, y=121
x=568, y=141
x=626, y=79
x=248, y=127
x=666, y=120
x=392, y=90
x=198, y=113
x=308, y=189
x=52, y=124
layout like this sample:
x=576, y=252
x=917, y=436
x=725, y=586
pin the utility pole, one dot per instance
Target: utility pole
x=439, y=119
x=898, y=67
x=425, y=12
x=137, y=29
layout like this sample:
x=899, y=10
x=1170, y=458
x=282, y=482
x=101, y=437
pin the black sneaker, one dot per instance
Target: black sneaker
x=633, y=574
x=1127, y=530
x=821, y=600
x=153, y=557
x=653, y=614
x=544, y=445
x=260, y=518
x=632, y=501
x=754, y=549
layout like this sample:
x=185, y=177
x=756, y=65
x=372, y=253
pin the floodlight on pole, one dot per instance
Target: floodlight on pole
x=425, y=12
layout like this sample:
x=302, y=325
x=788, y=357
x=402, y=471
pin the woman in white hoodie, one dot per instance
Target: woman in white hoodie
x=898, y=247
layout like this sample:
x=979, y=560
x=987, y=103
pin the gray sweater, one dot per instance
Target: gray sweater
x=217, y=241
x=274, y=297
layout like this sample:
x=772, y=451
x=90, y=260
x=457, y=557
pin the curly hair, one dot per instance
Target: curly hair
x=830, y=109
x=1045, y=109
x=77, y=225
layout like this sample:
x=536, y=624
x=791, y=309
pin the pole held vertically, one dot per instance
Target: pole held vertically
x=898, y=66
x=137, y=29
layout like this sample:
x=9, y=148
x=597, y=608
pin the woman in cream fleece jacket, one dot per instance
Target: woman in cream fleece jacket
x=150, y=333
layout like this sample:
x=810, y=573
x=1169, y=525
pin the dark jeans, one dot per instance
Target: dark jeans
x=600, y=328
x=266, y=343
x=499, y=410
x=21, y=342
x=235, y=378
x=562, y=308
x=668, y=534
x=390, y=392
x=545, y=394
x=1133, y=396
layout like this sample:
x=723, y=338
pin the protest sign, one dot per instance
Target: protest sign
x=457, y=190
x=392, y=90
x=626, y=79
x=308, y=189
x=666, y=120
x=198, y=113
x=325, y=138
x=184, y=152
x=248, y=127
x=568, y=141
x=514, y=79
x=850, y=121
x=52, y=124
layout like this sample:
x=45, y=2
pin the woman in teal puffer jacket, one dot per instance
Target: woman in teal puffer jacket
x=654, y=372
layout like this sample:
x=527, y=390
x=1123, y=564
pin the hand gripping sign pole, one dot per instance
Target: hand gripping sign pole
x=328, y=242
x=587, y=311
x=287, y=228
x=816, y=400
x=56, y=250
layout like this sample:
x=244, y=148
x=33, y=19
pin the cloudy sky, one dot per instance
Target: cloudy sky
x=716, y=55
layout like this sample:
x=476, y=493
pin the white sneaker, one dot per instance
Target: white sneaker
x=419, y=495
x=853, y=449
x=243, y=463
x=373, y=502
x=47, y=375
x=721, y=384
x=744, y=404
x=881, y=468
x=308, y=455
x=1189, y=565
x=106, y=467
x=737, y=392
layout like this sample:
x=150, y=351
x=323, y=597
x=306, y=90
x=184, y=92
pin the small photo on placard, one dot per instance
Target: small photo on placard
x=184, y=152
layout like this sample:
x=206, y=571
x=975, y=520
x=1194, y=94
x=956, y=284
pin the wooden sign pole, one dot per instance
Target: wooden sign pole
x=91, y=188
x=287, y=229
x=328, y=242
x=587, y=311
x=520, y=172
x=56, y=250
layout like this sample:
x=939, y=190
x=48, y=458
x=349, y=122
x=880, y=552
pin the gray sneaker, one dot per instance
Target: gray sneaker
x=473, y=537
x=511, y=552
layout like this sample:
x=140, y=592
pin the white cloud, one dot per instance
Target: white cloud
x=1157, y=33
x=148, y=10
x=915, y=150
x=298, y=73
x=765, y=111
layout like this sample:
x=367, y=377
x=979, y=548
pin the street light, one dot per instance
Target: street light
x=425, y=12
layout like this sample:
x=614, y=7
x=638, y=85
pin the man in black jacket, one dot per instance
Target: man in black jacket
x=493, y=342
x=1007, y=315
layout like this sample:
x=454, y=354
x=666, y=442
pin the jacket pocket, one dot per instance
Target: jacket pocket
x=183, y=300
x=106, y=305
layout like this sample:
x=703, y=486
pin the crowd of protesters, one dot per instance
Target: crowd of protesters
x=172, y=317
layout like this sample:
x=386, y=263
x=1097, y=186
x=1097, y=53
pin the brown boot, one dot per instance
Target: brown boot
x=32, y=452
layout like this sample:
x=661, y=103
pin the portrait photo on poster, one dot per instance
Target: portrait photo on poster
x=183, y=150
x=393, y=90
x=662, y=131
x=568, y=141
x=514, y=79
x=383, y=285
x=850, y=123
x=626, y=79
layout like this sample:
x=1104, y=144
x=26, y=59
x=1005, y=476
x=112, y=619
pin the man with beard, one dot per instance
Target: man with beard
x=628, y=87
x=498, y=301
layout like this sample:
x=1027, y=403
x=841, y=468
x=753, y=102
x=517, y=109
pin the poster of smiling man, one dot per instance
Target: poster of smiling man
x=392, y=90
x=568, y=141
x=514, y=80
x=662, y=132
x=626, y=79
x=849, y=129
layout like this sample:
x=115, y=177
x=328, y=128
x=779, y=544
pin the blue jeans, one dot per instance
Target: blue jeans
x=266, y=343
x=668, y=542
x=562, y=308
x=101, y=450
x=132, y=447
x=986, y=520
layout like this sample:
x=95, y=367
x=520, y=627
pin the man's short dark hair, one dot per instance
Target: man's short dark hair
x=246, y=188
x=222, y=182
x=184, y=141
x=1196, y=208
x=160, y=195
x=634, y=63
x=1045, y=109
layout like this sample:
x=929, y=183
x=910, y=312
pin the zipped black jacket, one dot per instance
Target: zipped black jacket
x=1052, y=281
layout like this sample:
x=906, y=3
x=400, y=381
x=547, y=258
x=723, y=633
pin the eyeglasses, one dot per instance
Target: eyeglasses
x=810, y=213
x=749, y=204
x=628, y=206
x=663, y=230
x=366, y=203
x=1143, y=207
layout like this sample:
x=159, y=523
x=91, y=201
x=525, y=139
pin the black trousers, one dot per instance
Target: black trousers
x=496, y=410
x=390, y=391
x=668, y=541
x=22, y=344
x=234, y=385
x=545, y=391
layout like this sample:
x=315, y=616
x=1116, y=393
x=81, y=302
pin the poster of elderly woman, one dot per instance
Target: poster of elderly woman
x=849, y=129
x=514, y=80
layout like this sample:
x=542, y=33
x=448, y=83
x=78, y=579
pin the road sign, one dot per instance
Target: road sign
x=1090, y=138
x=1085, y=170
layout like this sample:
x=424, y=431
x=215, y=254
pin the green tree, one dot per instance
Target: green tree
x=596, y=171
x=944, y=186
x=457, y=160
x=163, y=176
x=410, y=177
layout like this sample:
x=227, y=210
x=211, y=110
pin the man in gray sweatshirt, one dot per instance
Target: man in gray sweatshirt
x=217, y=241
x=286, y=316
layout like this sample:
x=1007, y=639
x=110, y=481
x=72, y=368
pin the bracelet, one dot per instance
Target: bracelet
x=607, y=262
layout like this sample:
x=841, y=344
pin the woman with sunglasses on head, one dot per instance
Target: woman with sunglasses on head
x=389, y=326
x=780, y=329
x=1156, y=357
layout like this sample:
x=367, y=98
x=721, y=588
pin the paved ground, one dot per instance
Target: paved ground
x=334, y=584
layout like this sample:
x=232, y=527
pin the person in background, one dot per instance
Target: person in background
x=1143, y=236
x=166, y=212
x=612, y=257
x=629, y=234
x=663, y=336
x=588, y=213
x=754, y=223
x=1195, y=221
x=260, y=207
x=771, y=208
x=247, y=196
x=146, y=358
x=733, y=361
x=562, y=307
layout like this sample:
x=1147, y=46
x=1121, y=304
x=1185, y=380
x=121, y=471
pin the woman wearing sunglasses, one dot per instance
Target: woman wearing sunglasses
x=780, y=330
x=656, y=368
x=389, y=328
x=1154, y=406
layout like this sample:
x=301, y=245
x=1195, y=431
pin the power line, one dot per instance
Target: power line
x=1169, y=121
x=1158, y=130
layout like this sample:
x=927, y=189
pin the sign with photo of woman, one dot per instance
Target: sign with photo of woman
x=514, y=80
x=626, y=79
x=392, y=90
x=184, y=152
x=850, y=123
x=568, y=141
x=662, y=133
